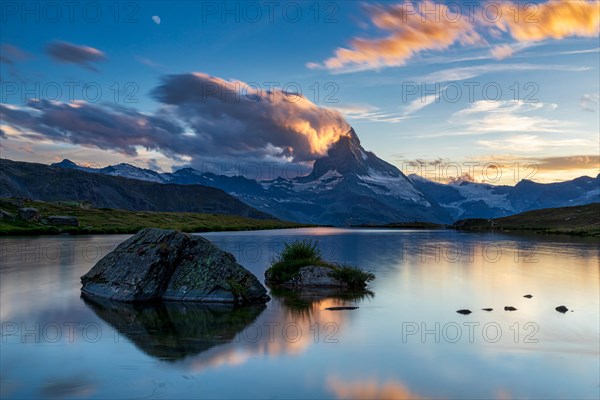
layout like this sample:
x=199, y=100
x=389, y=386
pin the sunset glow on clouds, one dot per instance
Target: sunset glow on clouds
x=410, y=32
x=552, y=20
x=487, y=80
x=415, y=27
x=201, y=117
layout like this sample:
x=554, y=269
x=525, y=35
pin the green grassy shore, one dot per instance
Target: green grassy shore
x=577, y=220
x=109, y=221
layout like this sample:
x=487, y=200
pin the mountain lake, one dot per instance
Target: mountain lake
x=405, y=339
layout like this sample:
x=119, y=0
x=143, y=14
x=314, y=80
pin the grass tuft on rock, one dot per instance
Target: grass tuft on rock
x=354, y=277
x=302, y=253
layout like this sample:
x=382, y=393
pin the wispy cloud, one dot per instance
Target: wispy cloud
x=530, y=143
x=507, y=117
x=464, y=73
x=362, y=112
x=566, y=163
x=409, y=32
x=590, y=102
x=422, y=102
x=584, y=51
x=411, y=28
x=70, y=53
x=502, y=51
x=152, y=64
x=10, y=54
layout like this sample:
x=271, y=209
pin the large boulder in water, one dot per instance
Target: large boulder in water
x=159, y=264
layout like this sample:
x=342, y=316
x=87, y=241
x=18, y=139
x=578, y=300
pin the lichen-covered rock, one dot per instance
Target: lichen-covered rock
x=157, y=264
x=314, y=276
x=65, y=220
x=29, y=214
x=6, y=215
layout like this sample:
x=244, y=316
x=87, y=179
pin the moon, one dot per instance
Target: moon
x=156, y=19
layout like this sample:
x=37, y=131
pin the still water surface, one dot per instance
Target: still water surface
x=404, y=341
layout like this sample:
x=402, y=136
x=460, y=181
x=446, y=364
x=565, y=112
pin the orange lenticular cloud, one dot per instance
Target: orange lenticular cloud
x=412, y=31
x=552, y=20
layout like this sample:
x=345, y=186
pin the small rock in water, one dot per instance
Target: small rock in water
x=562, y=309
x=464, y=312
x=509, y=308
x=528, y=296
x=487, y=309
x=340, y=308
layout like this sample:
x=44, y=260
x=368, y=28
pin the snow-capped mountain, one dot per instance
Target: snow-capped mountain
x=481, y=200
x=352, y=186
x=349, y=186
x=123, y=170
x=133, y=172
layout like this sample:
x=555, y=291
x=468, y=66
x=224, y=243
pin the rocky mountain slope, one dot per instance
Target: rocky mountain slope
x=50, y=183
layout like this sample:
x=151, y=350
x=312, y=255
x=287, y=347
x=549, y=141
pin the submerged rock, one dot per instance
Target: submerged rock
x=159, y=264
x=509, y=308
x=562, y=309
x=464, y=312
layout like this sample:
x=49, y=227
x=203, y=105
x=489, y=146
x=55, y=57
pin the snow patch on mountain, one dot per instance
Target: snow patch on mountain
x=482, y=192
x=325, y=182
x=385, y=184
x=133, y=172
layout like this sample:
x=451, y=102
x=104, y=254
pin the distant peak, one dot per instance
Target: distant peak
x=348, y=157
x=65, y=164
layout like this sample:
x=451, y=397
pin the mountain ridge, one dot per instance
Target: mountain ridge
x=352, y=186
x=51, y=183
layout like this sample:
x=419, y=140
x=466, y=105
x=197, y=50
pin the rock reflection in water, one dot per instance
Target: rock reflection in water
x=199, y=336
x=174, y=330
x=305, y=302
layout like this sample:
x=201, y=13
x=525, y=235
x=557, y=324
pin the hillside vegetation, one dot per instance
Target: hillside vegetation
x=106, y=220
x=46, y=183
x=578, y=220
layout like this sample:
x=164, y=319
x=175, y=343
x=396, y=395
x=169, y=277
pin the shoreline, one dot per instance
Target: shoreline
x=99, y=221
x=577, y=221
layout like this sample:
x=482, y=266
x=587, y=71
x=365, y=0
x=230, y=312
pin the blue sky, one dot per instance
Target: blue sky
x=396, y=81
